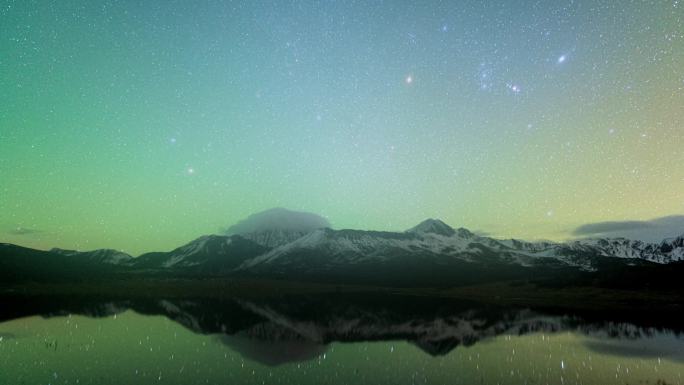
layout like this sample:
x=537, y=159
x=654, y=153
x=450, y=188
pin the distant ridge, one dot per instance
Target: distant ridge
x=292, y=245
x=108, y=256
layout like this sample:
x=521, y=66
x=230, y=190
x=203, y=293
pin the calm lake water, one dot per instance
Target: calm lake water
x=342, y=342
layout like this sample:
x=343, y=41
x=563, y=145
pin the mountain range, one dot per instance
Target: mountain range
x=432, y=250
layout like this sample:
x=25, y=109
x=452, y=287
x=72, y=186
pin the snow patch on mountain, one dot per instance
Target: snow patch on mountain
x=274, y=238
x=358, y=246
x=433, y=238
x=107, y=256
x=433, y=226
x=181, y=255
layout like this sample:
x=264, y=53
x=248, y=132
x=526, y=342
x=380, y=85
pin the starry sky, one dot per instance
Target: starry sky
x=140, y=125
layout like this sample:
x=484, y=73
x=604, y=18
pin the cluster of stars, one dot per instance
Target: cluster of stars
x=366, y=111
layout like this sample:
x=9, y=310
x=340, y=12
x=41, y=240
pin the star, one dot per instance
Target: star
x=561, y=59
x=190, y=170
x=172, y=140
x=409, y=79
x=514, y=87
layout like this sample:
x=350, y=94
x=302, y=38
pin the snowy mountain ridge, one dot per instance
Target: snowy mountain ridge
x=434, y=239
x=107, y=256
x=430, y=243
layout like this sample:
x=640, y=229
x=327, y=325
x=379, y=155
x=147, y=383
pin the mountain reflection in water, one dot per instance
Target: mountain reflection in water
x=329, y=339
x=284, y=329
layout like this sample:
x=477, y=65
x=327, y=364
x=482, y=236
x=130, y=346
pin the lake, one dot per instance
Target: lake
x=327, y=339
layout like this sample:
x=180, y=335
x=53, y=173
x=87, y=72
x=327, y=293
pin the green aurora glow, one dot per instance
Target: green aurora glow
x=140, y=125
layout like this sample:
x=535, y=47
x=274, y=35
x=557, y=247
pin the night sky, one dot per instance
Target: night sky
x=139, y=125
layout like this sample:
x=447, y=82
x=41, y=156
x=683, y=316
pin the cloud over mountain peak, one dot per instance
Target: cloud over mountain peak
x=279, y=219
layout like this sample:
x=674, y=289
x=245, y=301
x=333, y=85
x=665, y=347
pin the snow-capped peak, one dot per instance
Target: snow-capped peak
x=277, y=227
x=434, y=226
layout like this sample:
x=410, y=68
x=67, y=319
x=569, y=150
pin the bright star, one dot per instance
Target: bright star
x=409, y=79
x=190, y=170
x=561, y=59
x=513, y=87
